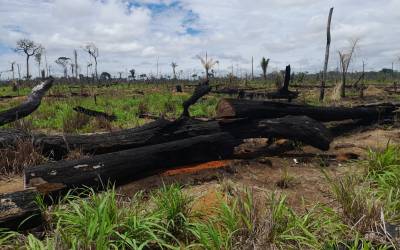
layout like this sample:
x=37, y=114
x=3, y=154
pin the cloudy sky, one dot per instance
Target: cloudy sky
x=135, y=34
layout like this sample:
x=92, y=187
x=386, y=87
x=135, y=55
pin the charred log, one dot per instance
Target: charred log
x=230, y=108
x=95, y=113
x=122, y=166
x=28, y=106
x=19, y=211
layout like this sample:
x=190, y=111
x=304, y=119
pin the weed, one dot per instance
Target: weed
x=175, y=207
x=359, y=208
x=74, y=121
x=13, y=160
x=287, y=180
x=381, y=160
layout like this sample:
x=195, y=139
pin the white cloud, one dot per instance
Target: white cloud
x=134, y=33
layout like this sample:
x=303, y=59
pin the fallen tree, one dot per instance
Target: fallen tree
x=127, y=165
x=27, y=107
x=233, y=108
x=161, y=131
x=281, y=93
x=218, y=143
x=17, y=207
x=119, y=167
x=95, y=113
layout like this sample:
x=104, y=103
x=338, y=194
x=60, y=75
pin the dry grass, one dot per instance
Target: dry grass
x=74, y=121
x=102, y=123
x=14, y=160
x=23, y=125
x=76, y=154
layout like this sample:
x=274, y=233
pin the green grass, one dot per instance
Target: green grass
x=120, y=100
x=166, y=220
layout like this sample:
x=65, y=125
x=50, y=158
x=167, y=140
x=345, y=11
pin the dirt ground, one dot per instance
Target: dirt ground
x=263, y=173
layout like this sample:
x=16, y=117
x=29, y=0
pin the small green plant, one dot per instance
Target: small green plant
x=175, y=207
x=287, y=180
x=358, y=206
x=381, y=160
x=92, y=221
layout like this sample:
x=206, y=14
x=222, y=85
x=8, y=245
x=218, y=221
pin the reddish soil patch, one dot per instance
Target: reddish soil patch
x=196, y=168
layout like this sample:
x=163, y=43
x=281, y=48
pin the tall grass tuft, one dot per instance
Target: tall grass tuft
x=381, y=160
x=359, y=207
x=89, y=222
x=175, y=208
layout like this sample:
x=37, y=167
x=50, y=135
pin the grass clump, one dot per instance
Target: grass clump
x=380, y=161
x=14, y=159
x=175, y=208
x=241, y=219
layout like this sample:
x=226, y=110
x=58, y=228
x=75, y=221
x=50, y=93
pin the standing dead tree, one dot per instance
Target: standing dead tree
x=63, y=62
x=38, y=59
x=207, y=63
x=93, y=51
x=174, y=65
x=76, y=63
x=344, y=60
x=29, y=48
x=264, y=67
x=328, y=44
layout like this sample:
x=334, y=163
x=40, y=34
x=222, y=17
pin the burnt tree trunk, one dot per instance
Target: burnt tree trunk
x=328, y=44
x=95, y=113
x=123, y=166
x=28, y=106
x=128, y=165
x=17, y=207
x=228, y=108
x=53, y=179
x=159, y=131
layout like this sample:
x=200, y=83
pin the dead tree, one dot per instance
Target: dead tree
x=264, y=66
x=328, y=44
x=28, y=106
x=284, y=92
x=93, y=52
x=95, y=113
x=344, y=59
x=174, y=65
x=63, y=62
x=29, y=48
x=199, y=92
x=234, y=108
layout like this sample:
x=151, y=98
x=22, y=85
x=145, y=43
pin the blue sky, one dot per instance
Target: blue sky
x=137, y=34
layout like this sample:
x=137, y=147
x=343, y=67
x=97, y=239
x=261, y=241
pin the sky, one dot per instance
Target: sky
x=139, y=33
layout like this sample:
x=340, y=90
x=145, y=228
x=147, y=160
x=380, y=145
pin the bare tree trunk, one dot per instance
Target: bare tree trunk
x=328, y=44
x=76, y=63
x=27, y=67
x=45, y=61
x=39, y=67
x=343, y=85
x=19, y=72
x=362, y=82
x=252, y=68
x=95, y=67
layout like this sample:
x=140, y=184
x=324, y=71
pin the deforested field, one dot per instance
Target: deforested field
x=207, y=151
